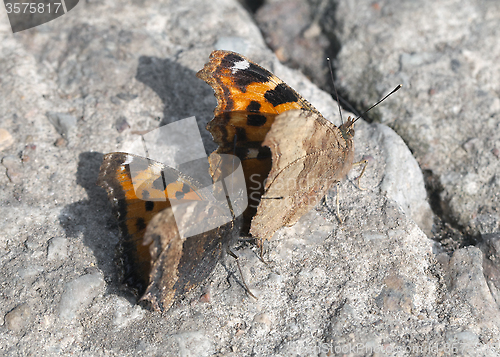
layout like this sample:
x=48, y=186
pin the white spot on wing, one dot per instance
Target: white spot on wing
x=128, y=160
x=240, y=65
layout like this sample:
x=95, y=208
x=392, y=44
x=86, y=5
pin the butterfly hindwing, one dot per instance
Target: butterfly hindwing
x=133, y=215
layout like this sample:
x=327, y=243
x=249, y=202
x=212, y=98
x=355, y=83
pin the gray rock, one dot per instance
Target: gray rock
x=403, y=180
x=78, y=294
x=291, y=29
x=126, y=314
x=372, y=285
x=490, y=246
x=469, y=290
x=126, y=96
x=194, y=344
x=121, y=124
x=14, y=168
x=448, y=111
x=6, y=139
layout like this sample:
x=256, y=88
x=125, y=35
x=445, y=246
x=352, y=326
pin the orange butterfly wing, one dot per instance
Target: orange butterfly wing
x=137, y=188
x=249, y=97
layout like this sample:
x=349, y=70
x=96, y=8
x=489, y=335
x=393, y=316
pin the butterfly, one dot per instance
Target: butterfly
x=291, y=154
x=159, y=264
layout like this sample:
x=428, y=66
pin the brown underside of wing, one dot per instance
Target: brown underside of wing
x=309, y=155
x=179, y=265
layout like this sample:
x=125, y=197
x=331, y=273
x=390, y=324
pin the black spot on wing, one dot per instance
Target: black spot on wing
x=241, y=152
x=149, y=205
x=180, y=194
x=140, y=224
x=230, y=59
x=281, y=94
x=253, y=106
x=264, y=153
x=241, y=134
x=229, y=100
x=256, y=120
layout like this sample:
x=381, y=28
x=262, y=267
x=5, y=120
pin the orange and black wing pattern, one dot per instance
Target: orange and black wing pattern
x=137, y=189
x=249, y=97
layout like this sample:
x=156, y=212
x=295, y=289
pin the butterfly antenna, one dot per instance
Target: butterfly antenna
x=380, y=101
x=335, y=88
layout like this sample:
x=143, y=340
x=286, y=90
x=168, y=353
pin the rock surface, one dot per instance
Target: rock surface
x=444, y=53
x=376, y=284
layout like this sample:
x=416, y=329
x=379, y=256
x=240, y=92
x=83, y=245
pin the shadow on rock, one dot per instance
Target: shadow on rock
x=180, y=90
x=93, y=221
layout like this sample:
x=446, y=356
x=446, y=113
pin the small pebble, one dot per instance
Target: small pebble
x=14, y=168
x=496, y=152
x=126, y=96
x=28, y=149
x=6, y=139
x=263, y=319
x=62, y=122
x=206, y=298
x=58, y=248
x=471, y=145
x=60, y=142
x=115, y=100
x=18, y=318
x=122, y=124
x=78, y=294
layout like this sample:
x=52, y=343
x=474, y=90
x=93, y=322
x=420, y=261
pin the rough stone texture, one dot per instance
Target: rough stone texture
x=402, y=181
x=445, y=55
x=292, y=30
x=78, y=294
x=376, y=283
x=63, y=123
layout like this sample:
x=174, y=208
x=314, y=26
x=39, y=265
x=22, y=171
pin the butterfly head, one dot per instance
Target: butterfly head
x=347, y=129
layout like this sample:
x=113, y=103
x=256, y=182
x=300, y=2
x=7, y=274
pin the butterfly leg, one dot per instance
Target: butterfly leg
x=260, y=244
x=365, y=163
x=338, y=203
x=241, y=273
